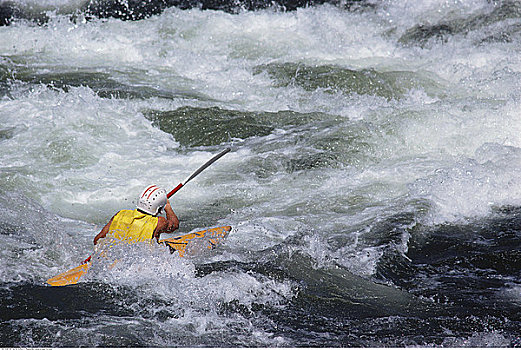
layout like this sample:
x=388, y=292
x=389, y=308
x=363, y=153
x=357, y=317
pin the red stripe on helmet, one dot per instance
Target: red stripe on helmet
x=155, y=189
x=145, y=191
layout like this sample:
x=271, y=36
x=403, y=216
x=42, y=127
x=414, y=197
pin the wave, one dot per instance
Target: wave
x=133, y=10
x=484, y=23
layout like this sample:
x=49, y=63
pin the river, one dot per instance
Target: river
x=373, y=185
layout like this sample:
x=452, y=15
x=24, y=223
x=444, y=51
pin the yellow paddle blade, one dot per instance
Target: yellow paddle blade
x=214, y=235
x=69, y=277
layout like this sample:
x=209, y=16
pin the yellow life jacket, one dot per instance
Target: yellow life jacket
x=133, y=226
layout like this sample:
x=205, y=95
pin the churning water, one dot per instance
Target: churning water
x=374, y=183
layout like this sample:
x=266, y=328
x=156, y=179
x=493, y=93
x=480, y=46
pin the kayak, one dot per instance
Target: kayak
x=208, y=239
x=205, y=239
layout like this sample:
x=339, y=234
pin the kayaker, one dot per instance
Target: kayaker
x=143, y=223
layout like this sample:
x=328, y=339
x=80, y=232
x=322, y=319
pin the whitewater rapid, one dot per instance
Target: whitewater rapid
x=358, y=134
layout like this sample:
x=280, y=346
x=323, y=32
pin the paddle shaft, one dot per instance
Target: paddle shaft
x=194, y=174
x=198, y=171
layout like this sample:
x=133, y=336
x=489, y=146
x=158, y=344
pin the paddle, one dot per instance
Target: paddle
x=72, y=276
x=198, y=171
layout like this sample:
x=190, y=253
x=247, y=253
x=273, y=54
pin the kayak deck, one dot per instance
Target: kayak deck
x=213, y=236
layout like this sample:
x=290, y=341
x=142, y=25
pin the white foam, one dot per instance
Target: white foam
x=46, y=243
x=195, y=303
x=409, y=13
x=454, y=144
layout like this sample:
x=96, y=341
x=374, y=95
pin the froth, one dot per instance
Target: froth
x=155, y=270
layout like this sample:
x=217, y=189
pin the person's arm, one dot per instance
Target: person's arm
x=170, y=224
x=103, y=232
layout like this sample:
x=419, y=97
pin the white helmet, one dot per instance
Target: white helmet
x=152, y=200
